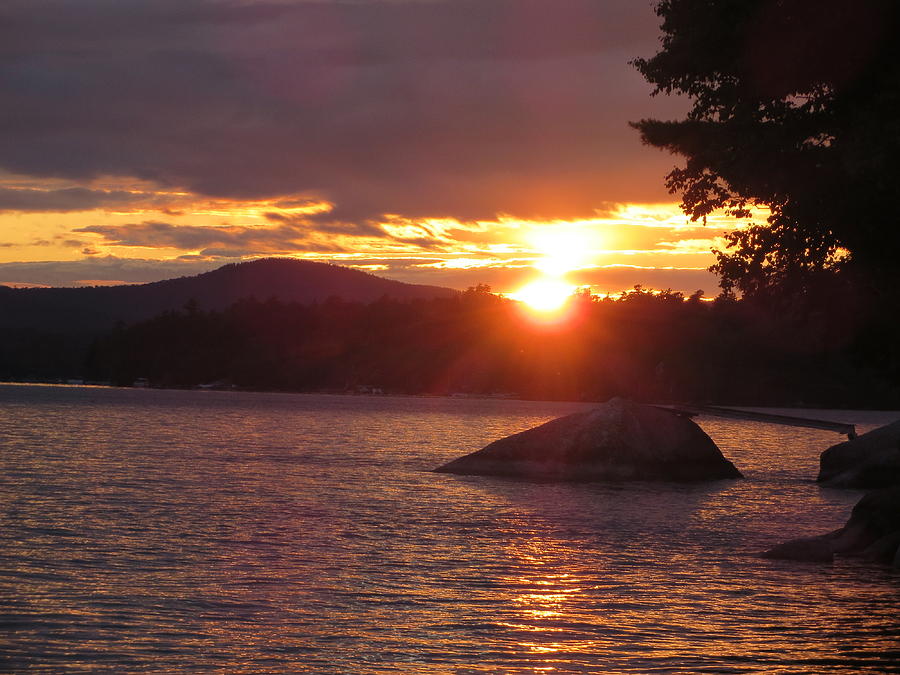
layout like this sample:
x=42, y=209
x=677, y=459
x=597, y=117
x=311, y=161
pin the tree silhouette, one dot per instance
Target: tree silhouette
x=794, y=109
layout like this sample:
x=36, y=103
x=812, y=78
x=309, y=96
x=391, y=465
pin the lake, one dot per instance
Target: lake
x=178, y=531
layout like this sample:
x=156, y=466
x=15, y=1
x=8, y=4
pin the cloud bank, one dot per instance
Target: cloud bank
x=444, y=108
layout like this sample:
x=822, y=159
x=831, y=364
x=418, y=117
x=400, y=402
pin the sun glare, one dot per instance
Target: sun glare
x=561, y=251
x=545, y=295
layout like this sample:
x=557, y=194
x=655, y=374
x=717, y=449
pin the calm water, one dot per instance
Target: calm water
x=170, y=531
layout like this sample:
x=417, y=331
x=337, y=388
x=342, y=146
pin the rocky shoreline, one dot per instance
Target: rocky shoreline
x=621, y=440
x=870, y=462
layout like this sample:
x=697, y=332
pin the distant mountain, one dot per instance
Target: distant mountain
x=87, y=310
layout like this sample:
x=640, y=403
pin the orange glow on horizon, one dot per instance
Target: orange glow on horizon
x=545, y=295
x=612, y=250
x=562, y=250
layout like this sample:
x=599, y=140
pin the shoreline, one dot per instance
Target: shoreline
x=390, y=394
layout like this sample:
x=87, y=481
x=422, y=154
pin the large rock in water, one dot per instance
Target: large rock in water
x=618, y=440
x=870, y=461
x=873, y=533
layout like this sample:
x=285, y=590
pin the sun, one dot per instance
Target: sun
x=545, y=295
x=561, y=251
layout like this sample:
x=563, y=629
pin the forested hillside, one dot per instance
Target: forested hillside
x=658, y=347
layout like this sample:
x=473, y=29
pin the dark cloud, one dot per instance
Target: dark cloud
x=70, y=199
x=71, y=243
x=386, y=263
x=105, y=268
x=460, y=108
x=326, y=224
x=290, y=234
x=234, y=241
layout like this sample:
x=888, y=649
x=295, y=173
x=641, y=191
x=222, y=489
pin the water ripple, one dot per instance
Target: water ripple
x=165, y=532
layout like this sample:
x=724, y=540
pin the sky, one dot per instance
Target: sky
x=448, y=142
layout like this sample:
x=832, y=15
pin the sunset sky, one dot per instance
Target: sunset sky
x=449, y=142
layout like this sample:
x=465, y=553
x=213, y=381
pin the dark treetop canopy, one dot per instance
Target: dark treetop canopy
x=795, y=108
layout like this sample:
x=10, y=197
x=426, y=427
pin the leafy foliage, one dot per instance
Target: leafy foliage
x=794, y=109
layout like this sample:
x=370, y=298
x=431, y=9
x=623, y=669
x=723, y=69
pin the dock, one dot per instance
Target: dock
x=787, y=420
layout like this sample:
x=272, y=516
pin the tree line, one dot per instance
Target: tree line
x=652, y=346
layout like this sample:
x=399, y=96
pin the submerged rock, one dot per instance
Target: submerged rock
x=806, y=549
x=870, y=461
x=872, y=532
x=618, y=440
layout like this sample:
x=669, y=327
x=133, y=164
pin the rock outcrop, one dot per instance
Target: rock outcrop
x=870, y=461
x=618, y=440
x=872, y=532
